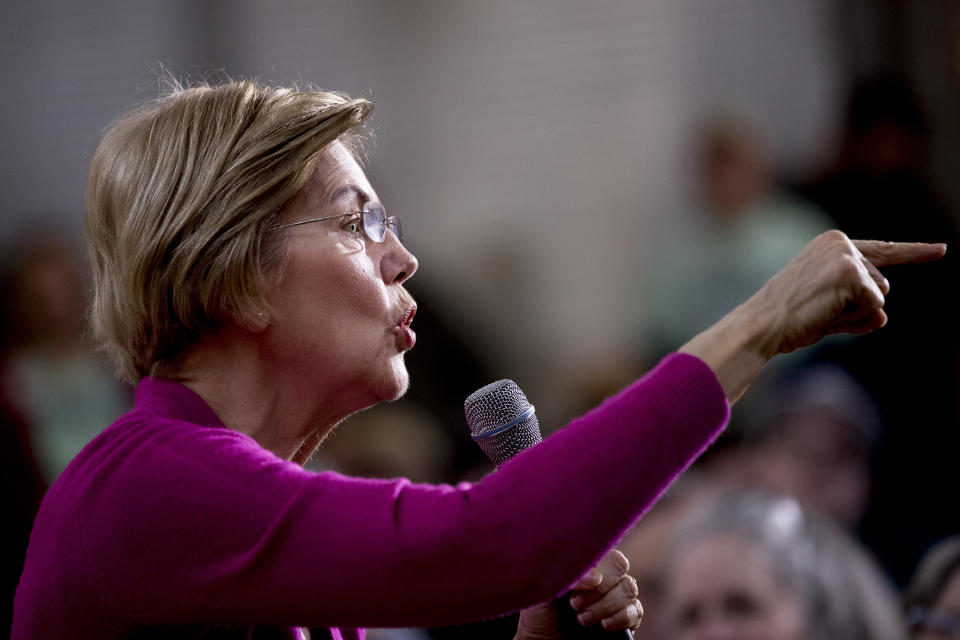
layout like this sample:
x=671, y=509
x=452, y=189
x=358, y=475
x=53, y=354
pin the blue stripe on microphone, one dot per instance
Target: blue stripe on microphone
x=529, y=412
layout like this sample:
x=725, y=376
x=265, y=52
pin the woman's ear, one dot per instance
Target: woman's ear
x=256, y=322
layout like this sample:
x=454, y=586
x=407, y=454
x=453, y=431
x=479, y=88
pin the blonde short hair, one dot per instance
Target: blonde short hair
x=181, y=194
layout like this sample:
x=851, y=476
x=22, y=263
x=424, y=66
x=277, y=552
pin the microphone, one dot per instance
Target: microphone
x=503, y=423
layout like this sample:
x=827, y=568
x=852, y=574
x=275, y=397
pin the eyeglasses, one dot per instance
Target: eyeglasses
x=375, y=222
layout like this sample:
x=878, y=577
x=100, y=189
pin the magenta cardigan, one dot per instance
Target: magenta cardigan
x=170, y=519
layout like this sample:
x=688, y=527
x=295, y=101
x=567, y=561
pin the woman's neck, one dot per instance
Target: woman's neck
x=273, y=406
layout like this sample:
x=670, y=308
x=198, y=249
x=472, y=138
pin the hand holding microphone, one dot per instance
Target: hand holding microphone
x=603, y=603
x=605, y=594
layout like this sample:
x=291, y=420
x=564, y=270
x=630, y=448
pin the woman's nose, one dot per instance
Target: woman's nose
x=398, y=263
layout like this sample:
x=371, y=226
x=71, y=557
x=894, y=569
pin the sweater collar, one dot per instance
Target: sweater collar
x=170, y=399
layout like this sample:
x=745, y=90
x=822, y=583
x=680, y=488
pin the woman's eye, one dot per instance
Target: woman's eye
x=353, y=225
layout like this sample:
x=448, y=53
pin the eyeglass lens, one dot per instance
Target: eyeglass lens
x=376, y=223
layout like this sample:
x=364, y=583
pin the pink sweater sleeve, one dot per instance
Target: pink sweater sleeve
x=216, y=528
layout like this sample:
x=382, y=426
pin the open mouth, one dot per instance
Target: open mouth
x=408, y=316
x=408, y=336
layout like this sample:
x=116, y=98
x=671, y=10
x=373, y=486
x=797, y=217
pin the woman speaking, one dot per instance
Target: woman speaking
x=250, y=283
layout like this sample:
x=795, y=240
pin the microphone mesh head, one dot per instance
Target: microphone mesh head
x=501, y=420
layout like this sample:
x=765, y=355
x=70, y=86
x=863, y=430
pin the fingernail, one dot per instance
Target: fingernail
x=595, y=576
x=586, y=618
x=577, y=602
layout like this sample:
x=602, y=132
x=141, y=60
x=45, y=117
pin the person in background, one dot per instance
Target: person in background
x=880, y=181
x=647, y=541
x=249, y=281
x=755, y=566
x=21, y=480
x=932, y=599
x=57, y=381
x=744, y=230
x=810, y=436
x=809, y=439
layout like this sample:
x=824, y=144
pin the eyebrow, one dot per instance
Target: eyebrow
x=350, y=189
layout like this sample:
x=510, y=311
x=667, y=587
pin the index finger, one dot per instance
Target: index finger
x=882, y=254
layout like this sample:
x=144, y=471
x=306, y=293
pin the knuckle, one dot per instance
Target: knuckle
x=631, y=586
x=848, y=267
x=619, y=562
x=835, y=235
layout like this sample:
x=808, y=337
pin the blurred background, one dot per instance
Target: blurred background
x=586, y=185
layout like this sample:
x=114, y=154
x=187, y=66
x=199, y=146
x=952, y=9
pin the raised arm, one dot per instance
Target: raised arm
x=832, y=286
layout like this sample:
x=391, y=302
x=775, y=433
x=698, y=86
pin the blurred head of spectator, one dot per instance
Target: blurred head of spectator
x=49, y=293
x=734, y=171
x=811, y=437
x=753, y=566
x=932, y=600
x=886, y=127
x=645, y=543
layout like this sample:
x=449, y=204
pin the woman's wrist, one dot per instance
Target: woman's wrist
x=739, y=345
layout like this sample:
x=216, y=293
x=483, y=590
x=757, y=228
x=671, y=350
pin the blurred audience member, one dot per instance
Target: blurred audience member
x=645, y=544
x=811, y=437
x=23, y=486
x=932, y=600
x=745, y=230
x=62, y=388
x=754, y=566
x=877, y=185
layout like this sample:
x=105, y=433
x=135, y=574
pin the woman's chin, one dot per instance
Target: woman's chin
x=401, y=388
x=395, y=383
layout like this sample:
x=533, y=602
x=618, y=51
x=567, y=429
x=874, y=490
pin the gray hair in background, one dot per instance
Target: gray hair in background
x=842, y=592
